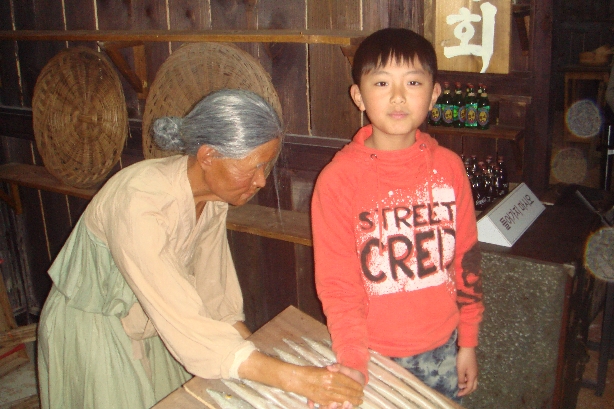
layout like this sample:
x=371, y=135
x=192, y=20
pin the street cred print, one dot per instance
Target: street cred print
x=406, y=243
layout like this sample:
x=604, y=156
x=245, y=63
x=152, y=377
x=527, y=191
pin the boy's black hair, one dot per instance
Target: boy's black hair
x=390, y=44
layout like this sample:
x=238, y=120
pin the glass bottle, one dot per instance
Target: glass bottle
x=447, y=109
x=471, y=106
x=435, y=113
x=459, y=107
x=502, y=182
x=473, y=163
x=483, y=112
x=489, y=163
x=467, y=163
x=478, y=188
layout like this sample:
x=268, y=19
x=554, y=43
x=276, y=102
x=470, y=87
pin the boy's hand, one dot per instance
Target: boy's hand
x=346, y=370
x=467, y=368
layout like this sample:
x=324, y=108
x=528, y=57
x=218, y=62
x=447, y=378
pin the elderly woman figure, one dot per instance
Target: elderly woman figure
x=145, y=293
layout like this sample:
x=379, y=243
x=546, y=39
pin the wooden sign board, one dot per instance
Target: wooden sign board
x=470, y=35
x=510, y=218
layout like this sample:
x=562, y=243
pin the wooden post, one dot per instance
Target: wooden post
x=11, y=356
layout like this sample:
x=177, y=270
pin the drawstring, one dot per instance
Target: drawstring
x=429, y=169
x=380, y=211
x=379, y=205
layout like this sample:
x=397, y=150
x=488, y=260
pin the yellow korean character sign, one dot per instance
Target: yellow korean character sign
x=470, y=35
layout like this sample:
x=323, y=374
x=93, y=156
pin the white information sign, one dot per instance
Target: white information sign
x=510, y=218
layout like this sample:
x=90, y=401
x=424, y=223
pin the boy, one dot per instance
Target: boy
x=397, y=262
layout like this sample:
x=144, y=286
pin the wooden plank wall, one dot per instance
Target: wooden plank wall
x=578, y=26
x=312, y=82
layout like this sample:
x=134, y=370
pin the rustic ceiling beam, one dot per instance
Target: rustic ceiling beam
x=334, y=37
x=112, y=40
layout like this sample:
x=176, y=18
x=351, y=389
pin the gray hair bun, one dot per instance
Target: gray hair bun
x=166, y=133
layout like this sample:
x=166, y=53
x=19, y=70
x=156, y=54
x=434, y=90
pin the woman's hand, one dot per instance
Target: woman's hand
x=345, y=370
x=328, y=387
x=320, y=385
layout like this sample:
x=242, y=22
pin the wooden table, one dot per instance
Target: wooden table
x=291, y=324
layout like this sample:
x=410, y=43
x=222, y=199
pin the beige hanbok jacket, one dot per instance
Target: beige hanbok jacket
x=179, y=268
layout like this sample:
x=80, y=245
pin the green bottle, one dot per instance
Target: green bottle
x=480, y=90
x=471, y=107
x=447, y=105
x=458, y=105
x=483, y=110
x=435, y=113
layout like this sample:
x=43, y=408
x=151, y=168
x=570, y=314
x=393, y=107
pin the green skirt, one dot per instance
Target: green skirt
x=85, y=358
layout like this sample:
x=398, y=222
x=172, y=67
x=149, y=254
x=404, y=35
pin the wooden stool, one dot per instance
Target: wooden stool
x=599, y=260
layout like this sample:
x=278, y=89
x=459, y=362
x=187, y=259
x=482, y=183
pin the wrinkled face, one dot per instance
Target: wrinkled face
x=236, y=181
x=396, y=97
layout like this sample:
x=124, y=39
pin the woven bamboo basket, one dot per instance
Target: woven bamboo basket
x=192, y=72
x=79, y=117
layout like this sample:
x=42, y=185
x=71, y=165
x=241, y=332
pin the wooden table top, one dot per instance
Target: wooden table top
x=291, y=324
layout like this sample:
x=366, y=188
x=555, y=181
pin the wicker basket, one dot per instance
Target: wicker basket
x=192, y=72
x=79, y=117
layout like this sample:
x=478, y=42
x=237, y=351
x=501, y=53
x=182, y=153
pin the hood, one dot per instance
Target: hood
x=403, y=163
x=384, y=171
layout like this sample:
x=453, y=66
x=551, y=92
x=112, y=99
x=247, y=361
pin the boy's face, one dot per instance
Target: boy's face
x=396, y=98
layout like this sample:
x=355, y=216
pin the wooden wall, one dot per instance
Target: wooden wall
x=312, y=82
x=578, y=26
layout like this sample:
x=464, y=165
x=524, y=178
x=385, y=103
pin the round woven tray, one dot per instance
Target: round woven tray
x=79, y=116
x=192, y=72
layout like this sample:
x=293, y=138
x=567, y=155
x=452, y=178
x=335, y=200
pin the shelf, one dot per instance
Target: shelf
x=335, y=37
x=262, y=221
x=494, y=132
x=38, y=177
x=286, y=225
x=111, y=41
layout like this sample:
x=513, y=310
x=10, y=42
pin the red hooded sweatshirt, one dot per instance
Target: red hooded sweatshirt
x=397, y=263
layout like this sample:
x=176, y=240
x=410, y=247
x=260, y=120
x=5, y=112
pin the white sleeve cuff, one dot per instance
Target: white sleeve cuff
x=240, y=356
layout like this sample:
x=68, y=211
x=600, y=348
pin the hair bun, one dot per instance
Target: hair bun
x=166, y=133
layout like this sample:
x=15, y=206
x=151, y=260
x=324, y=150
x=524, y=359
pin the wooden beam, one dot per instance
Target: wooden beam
x=335, y=37
x=38, y=177
x=536, y=172
x=263, y=221
x=13, y=200
x=136, y=77
x=493, y=132
x=19, y=335
x=522, y=12
x=286, y=225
